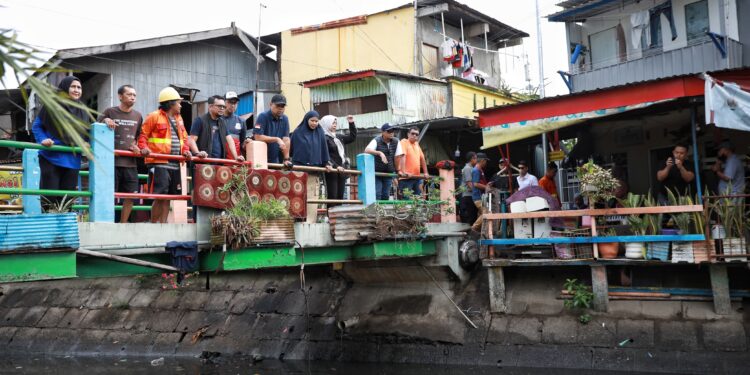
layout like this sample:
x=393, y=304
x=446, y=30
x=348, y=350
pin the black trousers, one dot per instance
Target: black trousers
x=335, y=186
x=56, y=178
x=467, y=210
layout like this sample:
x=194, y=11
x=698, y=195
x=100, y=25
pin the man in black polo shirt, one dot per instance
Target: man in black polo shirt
x=272, y=127
x=209, y=132
x=676, y=173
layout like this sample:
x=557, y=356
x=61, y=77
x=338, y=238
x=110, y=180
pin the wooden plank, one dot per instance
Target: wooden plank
x=596, y=212
x=600, y=287
x=720, y=288
x=594, y=240
x=497, y=290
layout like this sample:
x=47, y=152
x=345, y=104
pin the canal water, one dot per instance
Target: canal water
x=189, y=366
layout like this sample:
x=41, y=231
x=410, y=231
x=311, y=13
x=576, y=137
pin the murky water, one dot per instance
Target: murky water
x=114, y=365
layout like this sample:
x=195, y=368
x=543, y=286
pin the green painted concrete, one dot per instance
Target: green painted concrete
x=37, y=266
x=89, y=267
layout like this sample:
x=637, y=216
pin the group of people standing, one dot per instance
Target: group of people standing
x=220, y=133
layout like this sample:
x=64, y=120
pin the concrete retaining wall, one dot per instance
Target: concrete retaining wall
x=265, y=313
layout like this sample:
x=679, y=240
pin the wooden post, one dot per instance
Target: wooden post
x=497, y=289
x=257, y=155
x=600, y=287
x=366, y=181
x=593, y=234
x=313, y=192
x=30, y=180
x=447, y=186
x=102, y=174
x=720, y=288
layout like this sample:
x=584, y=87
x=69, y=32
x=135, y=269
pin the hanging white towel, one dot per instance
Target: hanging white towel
x=639, y=23
x=727, y=104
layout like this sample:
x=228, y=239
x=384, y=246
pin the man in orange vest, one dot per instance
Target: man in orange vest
x=163, y=132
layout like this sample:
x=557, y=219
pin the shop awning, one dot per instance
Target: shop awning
x=501, y=125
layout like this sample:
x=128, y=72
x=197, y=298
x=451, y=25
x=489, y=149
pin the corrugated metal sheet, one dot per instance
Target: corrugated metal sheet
x=214, y=67
x=246, y=104
x=698, y=58
x=414, y=101
x=40, y=231
x=346, y=90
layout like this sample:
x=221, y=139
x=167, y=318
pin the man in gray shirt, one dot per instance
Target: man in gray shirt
x=467, y=209
x=732, y=176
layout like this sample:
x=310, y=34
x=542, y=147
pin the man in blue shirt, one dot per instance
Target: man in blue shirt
x=236, y=128
x=479, y=181
x=272, y=127
x=209, y=132
x=732, y=176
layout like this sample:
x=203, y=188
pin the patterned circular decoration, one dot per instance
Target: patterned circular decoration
x=298, y=187
x=297, y=206
x=284, y=185
x=284, y=200
x=255, y=180
x=223, y=174
x=206, y=192
x=207, y=172
x=223, y=197
x=270, y=182
x=268, y=197
x=254, y=196
x=298, y=173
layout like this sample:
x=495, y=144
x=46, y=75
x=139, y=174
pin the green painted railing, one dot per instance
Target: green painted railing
x=36, y=146
x=86, y=174
x=53, y=193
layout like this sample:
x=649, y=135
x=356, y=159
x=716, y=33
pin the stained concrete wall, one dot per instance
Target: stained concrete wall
x=403, y=316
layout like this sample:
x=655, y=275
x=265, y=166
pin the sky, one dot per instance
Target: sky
x=55, y=24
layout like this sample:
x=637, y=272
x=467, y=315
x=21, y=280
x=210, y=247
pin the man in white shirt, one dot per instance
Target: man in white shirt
x=525, y=179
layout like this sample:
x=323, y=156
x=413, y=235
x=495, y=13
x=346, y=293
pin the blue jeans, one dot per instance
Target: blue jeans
x=383, y=188
x=414, y=185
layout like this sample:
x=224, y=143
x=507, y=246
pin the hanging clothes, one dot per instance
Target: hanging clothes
x=639, y=23
x=727, y=104
x=446, y=50
x=666, y=9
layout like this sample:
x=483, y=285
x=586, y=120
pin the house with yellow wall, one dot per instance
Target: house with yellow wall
x=400, y=40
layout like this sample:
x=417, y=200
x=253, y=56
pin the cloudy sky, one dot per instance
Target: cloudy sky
x=55, y=24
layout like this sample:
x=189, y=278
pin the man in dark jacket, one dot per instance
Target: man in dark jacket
x=387, y=151
x=208, y=133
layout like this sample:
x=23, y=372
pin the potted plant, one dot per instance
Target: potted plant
x=597, y=183
x=638, y=225
x=682, y=251
x=608, y=250
x=731, y=215
x=250, y=222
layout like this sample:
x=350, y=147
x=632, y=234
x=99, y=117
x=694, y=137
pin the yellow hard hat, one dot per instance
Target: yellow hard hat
x=168, y=94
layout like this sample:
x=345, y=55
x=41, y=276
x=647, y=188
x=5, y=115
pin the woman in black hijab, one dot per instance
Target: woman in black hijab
x=59, y=169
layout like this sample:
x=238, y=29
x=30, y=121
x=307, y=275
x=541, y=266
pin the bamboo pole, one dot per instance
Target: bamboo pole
x=122, y=259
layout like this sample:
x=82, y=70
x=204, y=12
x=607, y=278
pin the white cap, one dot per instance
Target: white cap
x=231, y=95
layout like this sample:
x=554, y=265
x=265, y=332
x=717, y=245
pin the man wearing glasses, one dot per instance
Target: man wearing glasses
x=209, y=132
x=236, y=128
x=525, y=179
x=412, y=163
x=387, y=151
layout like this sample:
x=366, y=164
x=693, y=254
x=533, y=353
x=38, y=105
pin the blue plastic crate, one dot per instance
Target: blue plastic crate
x=658, y=250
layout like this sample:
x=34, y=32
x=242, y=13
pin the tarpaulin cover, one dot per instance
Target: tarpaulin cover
x=538, y=191
x=505, y=133
x=288, y=187
x=727, y=104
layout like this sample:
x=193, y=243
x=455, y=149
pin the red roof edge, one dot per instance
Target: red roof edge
x=344, y=77
x=590, y=101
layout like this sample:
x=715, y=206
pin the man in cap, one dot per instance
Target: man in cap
x=236, y=128
x=272, y=127
x=412, y=164
x=480, y=186
x=388, y=153
x=732, y=176
x=163, y=132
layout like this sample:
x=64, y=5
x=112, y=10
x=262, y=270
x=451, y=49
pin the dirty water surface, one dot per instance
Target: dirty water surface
x=160, y=366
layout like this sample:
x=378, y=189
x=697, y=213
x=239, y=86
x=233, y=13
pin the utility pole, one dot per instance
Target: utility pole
x=541, y=74
x=257, y=65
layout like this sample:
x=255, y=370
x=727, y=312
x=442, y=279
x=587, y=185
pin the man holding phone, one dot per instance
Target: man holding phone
x=677, y=173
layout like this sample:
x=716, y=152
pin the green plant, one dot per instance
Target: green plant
x=581, y=298
x=683, y=220
x=731, y=215
x=653, y=220
x=409, y=215
x=597, y=183
x=607, y=232
x=64, y=205
x=639, y=224
x=244, y=206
